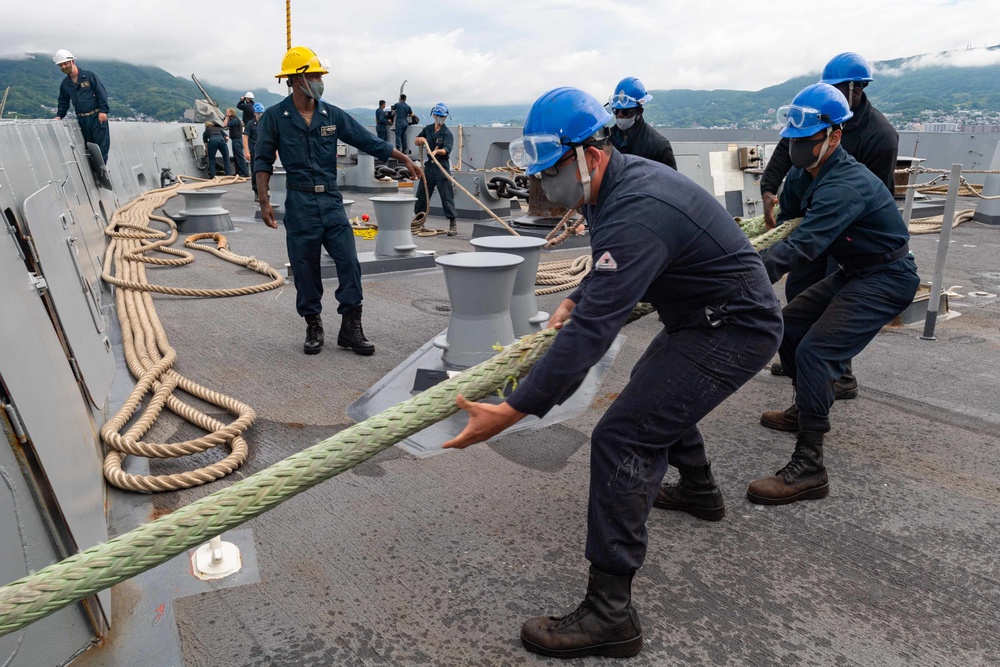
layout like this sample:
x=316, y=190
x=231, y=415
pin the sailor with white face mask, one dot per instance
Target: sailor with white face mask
x=630, y=133
x=657, y=237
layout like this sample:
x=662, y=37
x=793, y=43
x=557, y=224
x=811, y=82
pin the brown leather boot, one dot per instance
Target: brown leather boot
x=782, y=420
x=452, y=227
x=804, y=478
x=697, y=494
x=604, y=624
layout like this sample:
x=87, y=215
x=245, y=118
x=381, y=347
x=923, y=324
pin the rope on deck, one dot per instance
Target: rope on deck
x=149, y=355
x=37, y=595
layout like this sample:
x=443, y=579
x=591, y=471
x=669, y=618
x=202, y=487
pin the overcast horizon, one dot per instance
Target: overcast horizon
x=470, y=54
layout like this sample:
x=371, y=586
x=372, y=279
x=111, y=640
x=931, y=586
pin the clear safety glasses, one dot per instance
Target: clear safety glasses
x=535, y=149
x=792, y=115
x=622, y=101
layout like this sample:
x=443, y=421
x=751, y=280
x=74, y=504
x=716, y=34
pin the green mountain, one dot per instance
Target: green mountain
x=905, y=89
x=147, y=93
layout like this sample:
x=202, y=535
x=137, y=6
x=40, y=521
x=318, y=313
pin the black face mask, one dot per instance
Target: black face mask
x=801, y=151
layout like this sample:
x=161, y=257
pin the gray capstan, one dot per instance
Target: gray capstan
x=524, y=313
x=203, y=212
x=480, y=288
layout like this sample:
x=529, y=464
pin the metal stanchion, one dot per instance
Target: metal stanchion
x=911, y=192
x=942, y=253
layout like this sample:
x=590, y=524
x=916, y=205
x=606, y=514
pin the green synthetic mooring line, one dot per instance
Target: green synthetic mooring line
x=30, y=598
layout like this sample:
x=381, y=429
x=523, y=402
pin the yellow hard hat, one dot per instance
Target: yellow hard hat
x=300, y=60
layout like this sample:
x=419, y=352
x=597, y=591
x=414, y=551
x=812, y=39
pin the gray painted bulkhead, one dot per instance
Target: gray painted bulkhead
x=56, y=359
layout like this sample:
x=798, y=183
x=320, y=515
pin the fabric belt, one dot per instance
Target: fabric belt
x=89, y=113
x=322, y=187
x=858, y=262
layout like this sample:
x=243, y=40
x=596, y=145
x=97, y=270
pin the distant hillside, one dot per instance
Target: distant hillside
x=134, y=91
x=906, y=89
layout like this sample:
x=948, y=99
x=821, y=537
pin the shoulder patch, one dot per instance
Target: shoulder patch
x=606, y=263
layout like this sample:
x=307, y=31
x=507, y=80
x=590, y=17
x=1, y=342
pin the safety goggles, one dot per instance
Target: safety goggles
x=535, y=149
x=792, y=115
x=622, y=101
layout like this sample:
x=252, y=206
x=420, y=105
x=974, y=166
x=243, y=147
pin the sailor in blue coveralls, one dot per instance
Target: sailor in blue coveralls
x=90, y=101
x=656, y=237
x=847, y=210
x=440, y=142
x=305, y=130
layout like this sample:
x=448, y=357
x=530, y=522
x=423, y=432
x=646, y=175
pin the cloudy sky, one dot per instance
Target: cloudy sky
x=505, y=51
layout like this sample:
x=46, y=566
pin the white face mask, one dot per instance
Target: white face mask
x=625, y=124
x=438, y=120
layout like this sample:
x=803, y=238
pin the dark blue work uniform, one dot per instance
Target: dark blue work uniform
x=215, y=143
x=89, y=99
x=849, y=212
x=235, y=126
x=403, y=113
x=656, y=237
x=442, y=138
x=382, y=124
x=250, y=131
x=314, y=209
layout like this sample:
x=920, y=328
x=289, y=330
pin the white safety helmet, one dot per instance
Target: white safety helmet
x=249, y=95
x=62, y=55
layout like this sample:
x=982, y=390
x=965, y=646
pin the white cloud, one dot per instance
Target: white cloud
x=468, y=52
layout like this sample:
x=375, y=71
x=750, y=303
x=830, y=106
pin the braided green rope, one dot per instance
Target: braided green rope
x=30, y=598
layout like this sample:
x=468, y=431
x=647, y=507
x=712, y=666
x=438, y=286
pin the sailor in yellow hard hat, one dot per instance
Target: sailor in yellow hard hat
x=304, y=130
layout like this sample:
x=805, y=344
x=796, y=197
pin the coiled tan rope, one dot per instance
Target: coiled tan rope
x=933, y=224
x=148, y=353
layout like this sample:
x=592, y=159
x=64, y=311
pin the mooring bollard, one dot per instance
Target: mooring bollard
x=203, y=212
x=524, y=313
x=393, y=215
x=480, y=288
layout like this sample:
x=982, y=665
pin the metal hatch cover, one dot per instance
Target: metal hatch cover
x=71, y=284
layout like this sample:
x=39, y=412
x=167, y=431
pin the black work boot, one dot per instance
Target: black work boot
x=697, y=494
x=314, y=335
x=804, y=478
x=352, y=335
x=778, y=369
x=847, y=386
x=452, y=227
x=604, y=624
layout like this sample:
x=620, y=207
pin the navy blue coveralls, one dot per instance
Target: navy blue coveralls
x=656, y=237
x=403, y=113
x=382, y=124
x=235, y=126
x=215, y=142
x=847, y=210
x=442, y=138
x=251, y=134
x=89, y=99
x=314, y=208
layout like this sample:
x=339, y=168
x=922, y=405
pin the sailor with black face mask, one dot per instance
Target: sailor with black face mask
x=658, y=237
x=870, y=139
x=305, y=130
x=847, y=212
x=630, y=133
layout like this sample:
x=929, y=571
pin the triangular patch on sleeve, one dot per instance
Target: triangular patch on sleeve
x=606, y=263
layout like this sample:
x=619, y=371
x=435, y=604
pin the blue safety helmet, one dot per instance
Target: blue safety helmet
x=558, y=120
x=440, y=110
x=846, y=67
x=816, y=107
x=629, y=93
x=258, y=108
